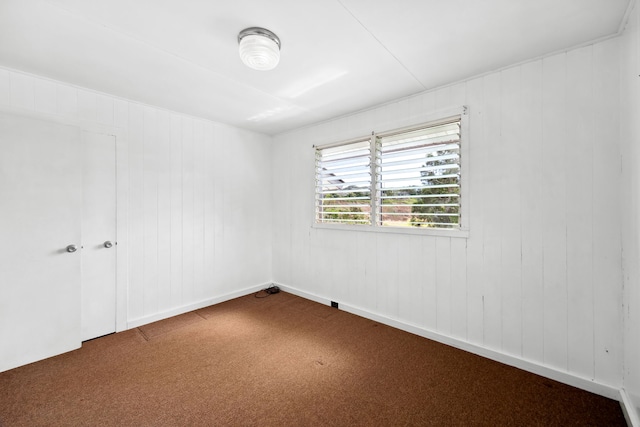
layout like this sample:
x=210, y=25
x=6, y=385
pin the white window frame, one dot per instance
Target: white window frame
x=430, y=120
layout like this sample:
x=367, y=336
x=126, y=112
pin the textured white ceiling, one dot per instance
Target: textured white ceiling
x=337, y=56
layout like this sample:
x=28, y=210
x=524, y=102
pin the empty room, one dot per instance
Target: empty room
x=339, y=212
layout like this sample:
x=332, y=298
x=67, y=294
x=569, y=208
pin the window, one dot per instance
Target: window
x=409, y=179
x=419, y=177
x=343, y=183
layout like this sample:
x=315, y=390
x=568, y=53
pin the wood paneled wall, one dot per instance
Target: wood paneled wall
x=193, y=194
x=201, y=210
x=539, y=277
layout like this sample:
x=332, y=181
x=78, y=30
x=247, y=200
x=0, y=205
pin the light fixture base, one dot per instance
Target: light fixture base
x=258, y=31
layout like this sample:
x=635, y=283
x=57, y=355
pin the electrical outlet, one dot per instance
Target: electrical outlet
x=334, y=304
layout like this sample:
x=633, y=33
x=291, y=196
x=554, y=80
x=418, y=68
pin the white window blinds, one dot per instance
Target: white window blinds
x=418, y=177
x=407, y=179
x=343, y=183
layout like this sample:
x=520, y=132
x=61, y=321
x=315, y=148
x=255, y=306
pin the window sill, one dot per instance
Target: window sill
x=460, y=233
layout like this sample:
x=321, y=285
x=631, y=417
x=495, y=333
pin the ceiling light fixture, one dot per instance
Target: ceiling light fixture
x=259, y=48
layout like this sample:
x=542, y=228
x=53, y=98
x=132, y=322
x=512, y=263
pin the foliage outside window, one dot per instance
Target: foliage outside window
x=408, y=178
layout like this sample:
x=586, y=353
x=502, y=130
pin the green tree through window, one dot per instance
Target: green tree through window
x=437, y=203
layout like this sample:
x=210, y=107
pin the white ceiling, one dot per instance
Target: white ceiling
x=338, y=56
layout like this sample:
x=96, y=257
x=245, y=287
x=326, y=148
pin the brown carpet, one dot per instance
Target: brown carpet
x=284, y=361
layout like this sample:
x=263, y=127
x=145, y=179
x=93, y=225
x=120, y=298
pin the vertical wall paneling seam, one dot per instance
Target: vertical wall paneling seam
x=396, y=297
x=156, y=147
x=193, y=209
x=485, y=180
x=127, y=216
x=290, y=209
x=625, y=148
x=215, y=131
x=465, y=140
x=592, y=122
x=152, y=294
x=194, y=179
x=466, y=282
x=435, y=281
x=483, y=262
x=212, y=190
x=626, y=183
x=205, y=282
x=118, y=225
x=170, y=195
x=171, y=219
x=142, y=199
x=177, y=187
x=541, y=188
x=465, y=160
x=500, y=142
x=195, y=136
x=466, y=286
x=135, y=285
x=203, y=195
x=542, y=240
x=182, y=128
x=129, y=240
x=521, y=293
x=451, y=283
x=203, y=167
x=223, y=177
x=421, y=317
x=567, y=219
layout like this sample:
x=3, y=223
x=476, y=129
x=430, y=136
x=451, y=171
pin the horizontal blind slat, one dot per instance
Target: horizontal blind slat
x=451, y=158
x=427, y=146
x=419, y=196
x=397, y=177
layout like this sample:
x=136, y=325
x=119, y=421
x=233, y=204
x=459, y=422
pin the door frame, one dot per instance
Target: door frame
x=122, y=195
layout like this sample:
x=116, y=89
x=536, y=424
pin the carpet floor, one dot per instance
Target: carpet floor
x=284, y=361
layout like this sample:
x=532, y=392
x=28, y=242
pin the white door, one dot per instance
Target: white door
x=98, y=235
x=40, y=209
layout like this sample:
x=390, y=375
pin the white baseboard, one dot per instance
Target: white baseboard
x=134, y=323
x=629, y=410
x=526, y=365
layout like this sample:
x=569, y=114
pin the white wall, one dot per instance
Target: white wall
x=539, y=278
x=199, y=211
x=630, y=137
x=194, y=222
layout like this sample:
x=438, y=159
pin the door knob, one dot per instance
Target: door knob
x=108, y=244
x=72, y=248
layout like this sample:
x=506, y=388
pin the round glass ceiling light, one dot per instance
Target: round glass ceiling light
x=259, y=48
